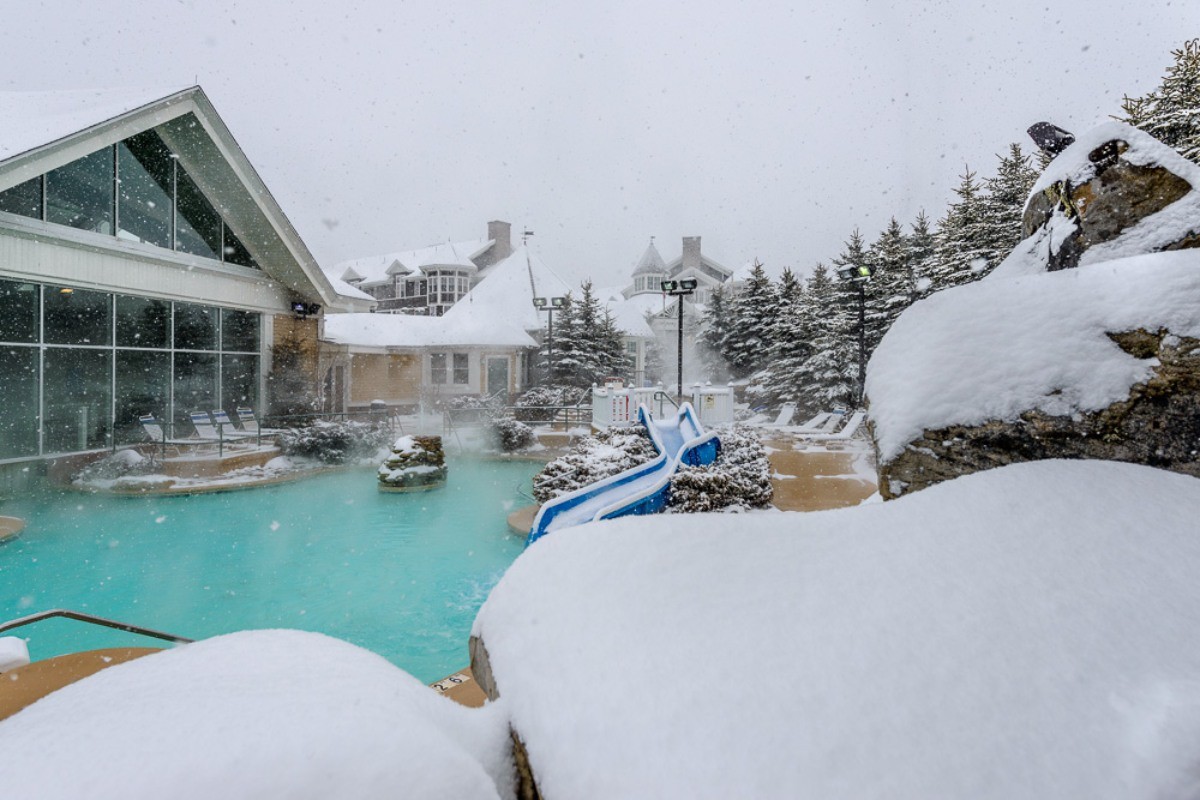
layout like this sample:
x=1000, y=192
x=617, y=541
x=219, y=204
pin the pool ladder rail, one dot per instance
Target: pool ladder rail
x=91, y=619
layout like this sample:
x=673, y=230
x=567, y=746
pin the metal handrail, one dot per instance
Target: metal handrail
x=92, y=620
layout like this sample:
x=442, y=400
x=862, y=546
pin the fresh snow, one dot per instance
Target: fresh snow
x=408, y=330
x=993, y=349
x=253, y=715
x=379, y=269
x=1029, y=631
x=505, y=294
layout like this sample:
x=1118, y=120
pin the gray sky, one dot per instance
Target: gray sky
x=770, y=129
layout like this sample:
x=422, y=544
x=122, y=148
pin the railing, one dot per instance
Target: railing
x=553, y=415
x=91, y=620
x=170, y=440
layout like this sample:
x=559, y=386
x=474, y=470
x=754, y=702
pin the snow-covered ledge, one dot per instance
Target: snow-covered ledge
x=1023, y=632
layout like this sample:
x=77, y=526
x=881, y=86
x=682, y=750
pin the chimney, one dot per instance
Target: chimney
x=501, y=233
x=691, y=252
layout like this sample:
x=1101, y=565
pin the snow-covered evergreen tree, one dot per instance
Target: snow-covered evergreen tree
x=1171, y=113
x=921, y=256
x=748, y=342
x=1004, y=204
x=824, y=375
x=587, y=344
x=781, y=379
x=960, y=243
x=892, y=286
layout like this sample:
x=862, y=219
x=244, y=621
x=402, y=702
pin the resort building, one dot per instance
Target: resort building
x=428, y=280
x=650, y=318
x=144, y=269
x=482, y=345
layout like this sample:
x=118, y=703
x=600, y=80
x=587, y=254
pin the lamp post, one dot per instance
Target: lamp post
x=548, y=304
x=860, y=274
x=679, y=289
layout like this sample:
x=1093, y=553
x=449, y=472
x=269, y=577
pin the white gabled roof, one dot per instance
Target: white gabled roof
x=506, y=294
x=407, y=331
x=630, y=315
x=380, y=268
x=40, y=131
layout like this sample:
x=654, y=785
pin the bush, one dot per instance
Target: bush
x=336, y=442
x=593, y=458
x=739, y=479
x=123, y=463
x=533, y=405
x=508, y=435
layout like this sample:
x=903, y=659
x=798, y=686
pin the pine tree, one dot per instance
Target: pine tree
x=892, y=285
x=921, y=257
x=748, y=343
x=714, y=335
x=960, y=243
x=588, y=347
x=1004, y=204
x=1171, y=113
x=781, y=378
x=824, y=375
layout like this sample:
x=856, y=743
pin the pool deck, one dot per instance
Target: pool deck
x=10, y=528
x=25, y=685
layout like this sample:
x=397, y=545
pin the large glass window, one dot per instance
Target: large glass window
x=18, y=311
x=143, y=387
x=239, y=331
x=24, y=199
x=195, y=386
x=77, y=316
x=195, y=327
x=437, y=368
x=147, y=174
x=77, y=398
x=462, y=368
x=239, y=382
x=18, y=412
x=236, y=252
x=197, y=223
x=80, y=194
x=143, y=322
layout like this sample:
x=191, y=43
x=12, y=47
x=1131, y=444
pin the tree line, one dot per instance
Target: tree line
x=797, y=339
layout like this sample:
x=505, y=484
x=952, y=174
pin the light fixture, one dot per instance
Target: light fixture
x=558, y=302
x=66, y=290
x=539, y=302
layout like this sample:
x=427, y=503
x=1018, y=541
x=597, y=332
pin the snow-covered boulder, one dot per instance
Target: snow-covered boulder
x=1097, y=362
x=1025, y=632
x=254, y=715
x=1115, y=192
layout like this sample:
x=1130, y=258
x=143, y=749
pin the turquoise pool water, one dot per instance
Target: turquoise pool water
x=400, y=574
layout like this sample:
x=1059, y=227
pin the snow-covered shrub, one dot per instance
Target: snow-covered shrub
x=118, y=465
x=534, y=405
x=740, y=478
x=509, y=436
x=336, y=442
x=594, y=457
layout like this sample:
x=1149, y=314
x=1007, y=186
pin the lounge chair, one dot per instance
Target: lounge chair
x=786, y=412
x=852, y=425
x=208, y=432
x=250, y=423
x=155, y=433
x=818, y=424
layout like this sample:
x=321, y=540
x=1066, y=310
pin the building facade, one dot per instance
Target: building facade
x=142, y=267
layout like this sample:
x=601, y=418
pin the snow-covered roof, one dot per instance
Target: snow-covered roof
x=629, y=315
x=411, y=331
x=744, y=272
x=650, y=262
x=1028, y=631
x=29, y=120
x=506, y=294
x=381, y=268
x=253, y=715
x=995, y=348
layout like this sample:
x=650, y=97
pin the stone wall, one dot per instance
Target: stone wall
x=1158, y=425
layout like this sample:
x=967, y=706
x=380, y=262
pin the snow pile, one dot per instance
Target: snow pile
x=407, y=330
x=993, y=349
x=254, y=715
x=1029, y=631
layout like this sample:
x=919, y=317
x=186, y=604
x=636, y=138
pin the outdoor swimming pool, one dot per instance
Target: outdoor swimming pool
x=400, y=574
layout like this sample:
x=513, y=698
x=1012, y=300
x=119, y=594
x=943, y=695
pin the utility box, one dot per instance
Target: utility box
x=713, y=404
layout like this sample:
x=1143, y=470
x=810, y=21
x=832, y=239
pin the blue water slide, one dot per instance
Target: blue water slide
x=643, y=489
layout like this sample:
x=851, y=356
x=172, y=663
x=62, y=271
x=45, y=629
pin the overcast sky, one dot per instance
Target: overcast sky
x=770, y=129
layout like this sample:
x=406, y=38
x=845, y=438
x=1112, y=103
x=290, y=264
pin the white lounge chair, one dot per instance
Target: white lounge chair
x=786, y=412
x=208, y=432
x=250, y=423
x=155, y=433
x=851, y=427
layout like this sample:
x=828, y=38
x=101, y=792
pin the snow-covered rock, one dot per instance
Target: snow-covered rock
x=1025, y=632
x=254, y=715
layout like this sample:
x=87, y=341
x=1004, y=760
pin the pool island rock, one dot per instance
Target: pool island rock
x=417, y=464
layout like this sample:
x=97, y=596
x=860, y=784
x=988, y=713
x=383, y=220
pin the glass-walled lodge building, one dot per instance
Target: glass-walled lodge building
x=142, y=268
